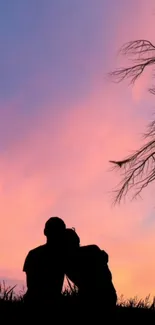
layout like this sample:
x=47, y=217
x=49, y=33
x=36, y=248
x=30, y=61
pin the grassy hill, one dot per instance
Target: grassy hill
x=71, y=310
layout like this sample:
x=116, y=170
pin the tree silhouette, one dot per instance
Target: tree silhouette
x=139, y=167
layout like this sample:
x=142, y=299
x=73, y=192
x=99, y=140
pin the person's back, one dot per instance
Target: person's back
x=45, y=272
x=87, y=267
x=44, y=265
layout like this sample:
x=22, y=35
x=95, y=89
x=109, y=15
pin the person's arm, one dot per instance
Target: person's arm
x=29, y=270
x=30, y=279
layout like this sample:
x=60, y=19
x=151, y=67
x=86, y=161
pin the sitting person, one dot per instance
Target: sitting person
x=87, y=267
x=44, y=265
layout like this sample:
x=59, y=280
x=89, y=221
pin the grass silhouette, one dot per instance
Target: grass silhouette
x=12, y=308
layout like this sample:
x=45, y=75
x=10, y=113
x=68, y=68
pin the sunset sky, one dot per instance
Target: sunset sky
x=62, y=120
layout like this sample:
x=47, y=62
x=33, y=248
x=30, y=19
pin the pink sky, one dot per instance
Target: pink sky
x=58, y=165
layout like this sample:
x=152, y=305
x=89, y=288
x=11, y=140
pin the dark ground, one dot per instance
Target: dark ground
x=71, y=310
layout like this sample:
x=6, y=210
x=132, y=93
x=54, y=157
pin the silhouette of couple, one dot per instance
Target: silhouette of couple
x=86, y=266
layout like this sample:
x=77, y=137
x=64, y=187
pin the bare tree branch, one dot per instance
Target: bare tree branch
x=142, y=53
x=139, y=167
x=137, y=47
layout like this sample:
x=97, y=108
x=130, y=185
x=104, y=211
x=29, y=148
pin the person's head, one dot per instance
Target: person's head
x=54, y=229
x=72, y=239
